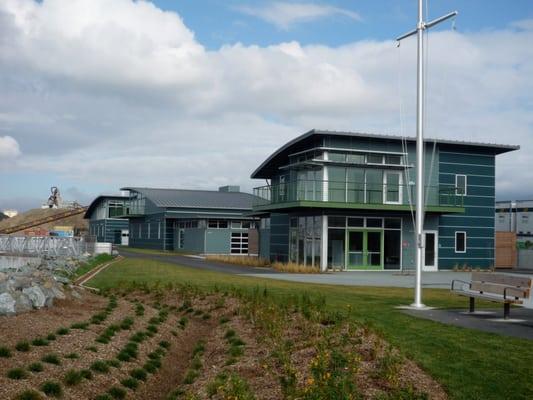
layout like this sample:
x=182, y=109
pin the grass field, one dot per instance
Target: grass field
x=469, y=364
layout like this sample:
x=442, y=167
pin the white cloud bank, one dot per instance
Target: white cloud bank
x=9, y=148
x=121, y=93
x=284, y=15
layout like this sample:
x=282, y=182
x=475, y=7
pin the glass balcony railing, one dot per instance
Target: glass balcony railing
x=354, y=193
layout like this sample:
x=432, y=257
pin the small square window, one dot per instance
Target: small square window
x=356, y=222
x=374, y=222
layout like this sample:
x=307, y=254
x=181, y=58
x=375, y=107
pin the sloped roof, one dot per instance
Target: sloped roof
x=265, y=169
x=98, y=199
x=185, y=198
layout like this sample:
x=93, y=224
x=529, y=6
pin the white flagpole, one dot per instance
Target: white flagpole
x=420, y=205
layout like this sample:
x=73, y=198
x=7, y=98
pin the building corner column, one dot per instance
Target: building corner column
x=324, y=245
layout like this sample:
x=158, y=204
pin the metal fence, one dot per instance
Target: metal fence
x=46, y=245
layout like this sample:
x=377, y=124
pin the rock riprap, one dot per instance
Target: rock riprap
x=35, y=286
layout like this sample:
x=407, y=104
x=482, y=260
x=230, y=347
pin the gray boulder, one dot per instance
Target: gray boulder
x=7, y=304
x=22, y=303
x=36, y=295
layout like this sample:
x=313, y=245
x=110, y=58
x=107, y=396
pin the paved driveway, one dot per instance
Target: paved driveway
x=440, y=279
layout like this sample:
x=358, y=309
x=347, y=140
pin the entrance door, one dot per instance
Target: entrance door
x=365, y=249
x=392, y=187
x=431, y=251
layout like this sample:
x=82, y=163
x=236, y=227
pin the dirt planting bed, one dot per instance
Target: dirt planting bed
x=183, y=343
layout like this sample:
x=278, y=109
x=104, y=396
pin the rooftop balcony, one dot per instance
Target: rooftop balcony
x=355, y=195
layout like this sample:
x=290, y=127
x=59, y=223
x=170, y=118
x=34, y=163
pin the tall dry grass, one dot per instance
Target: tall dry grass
x=247, y=261
x=295, y=268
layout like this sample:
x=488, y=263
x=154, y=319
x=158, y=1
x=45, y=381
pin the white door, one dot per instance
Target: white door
x=431, y=251
x=124, y=237
x=392, y=187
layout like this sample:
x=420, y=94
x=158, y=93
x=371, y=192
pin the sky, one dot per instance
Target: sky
x=100, y=94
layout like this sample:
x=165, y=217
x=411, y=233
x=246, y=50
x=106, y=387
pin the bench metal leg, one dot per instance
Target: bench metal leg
x=472, y=304
x=506, y=310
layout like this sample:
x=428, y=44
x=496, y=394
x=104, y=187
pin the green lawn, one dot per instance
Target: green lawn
x=469, y=364
x=91, y=264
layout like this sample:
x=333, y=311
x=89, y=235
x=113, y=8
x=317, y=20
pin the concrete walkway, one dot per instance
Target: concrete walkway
x=520, y=323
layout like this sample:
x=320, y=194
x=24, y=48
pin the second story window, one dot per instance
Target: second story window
x=460, y=185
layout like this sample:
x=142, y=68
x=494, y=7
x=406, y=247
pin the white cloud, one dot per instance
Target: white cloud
x=9, y=148
x=284, y=14
x=118, y=93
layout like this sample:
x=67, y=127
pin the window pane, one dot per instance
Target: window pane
x=374, y=222
x=394, y=223
x=374, y=186
x=339, y=222
x=460, y=241
x=222, y=224
x=461, y=184
x=374, y=159
x=355, y=222
x=392, y=159
x=356, y=158
x=339, y=157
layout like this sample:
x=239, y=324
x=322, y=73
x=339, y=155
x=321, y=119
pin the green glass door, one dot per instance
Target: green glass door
x=364, y=249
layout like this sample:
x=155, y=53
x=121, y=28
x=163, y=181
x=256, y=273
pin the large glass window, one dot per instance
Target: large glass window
x=374, y=159
x=337, y=184
x=115, y=209
x=374, y=186
x=305, y=241
x=336, y=248
x=392, y=247
x=355, y=184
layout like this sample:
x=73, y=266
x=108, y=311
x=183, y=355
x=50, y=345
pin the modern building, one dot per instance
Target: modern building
x=105, y=222
x=198, y=221
x=515, y=216
x=345, y=200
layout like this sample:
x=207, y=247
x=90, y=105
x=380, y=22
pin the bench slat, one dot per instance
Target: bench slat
x=500, y=289
x=489, y=297
x=502, y=279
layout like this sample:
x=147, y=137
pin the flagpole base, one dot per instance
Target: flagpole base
x=414, y=306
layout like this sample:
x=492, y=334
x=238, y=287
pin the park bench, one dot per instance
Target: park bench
x=499, y=288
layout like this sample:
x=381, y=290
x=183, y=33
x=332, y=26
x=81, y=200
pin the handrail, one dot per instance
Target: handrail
x=352, y=192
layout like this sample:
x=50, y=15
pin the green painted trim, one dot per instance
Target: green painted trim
x=354, y=206
x=365, y=266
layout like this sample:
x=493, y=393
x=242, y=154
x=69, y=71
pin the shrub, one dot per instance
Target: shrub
x=165, y=344
x=151, y=328
x=113, y=363
x=40, y=342
x=92, y=348
x=87, y=374
x=295, y=268
x=63, y=331
x=139, y=374
x=139, y=310
x=223, y=320
x=51, y=359
x=104, y=396
x=190, y=376
x=80, y=325
x=130, y=383
x=229, y=334
x=183, y=322
x=126, y=323
x=100, y=366
x=52, y=389
x=72, y=356
x=72, y=377
x=206, y=316
x=51, y=337
x=23, y=346
x=199, y=348
x=36, y=367
x=17, y=373
x=29, y=395
x=117, y=392
x=138, y=337
x=5, y=352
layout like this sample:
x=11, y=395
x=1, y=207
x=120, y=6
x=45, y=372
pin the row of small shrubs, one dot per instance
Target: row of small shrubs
x=25, y=345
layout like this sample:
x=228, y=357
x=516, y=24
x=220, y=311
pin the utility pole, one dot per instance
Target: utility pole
x=420, y=205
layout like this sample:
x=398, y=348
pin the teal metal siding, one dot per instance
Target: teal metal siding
x=264, y=243
x=152, y=238
x=108, y=230
x=478, y=218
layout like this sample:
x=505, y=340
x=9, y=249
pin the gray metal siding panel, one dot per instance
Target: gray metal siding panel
x=217, y=241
